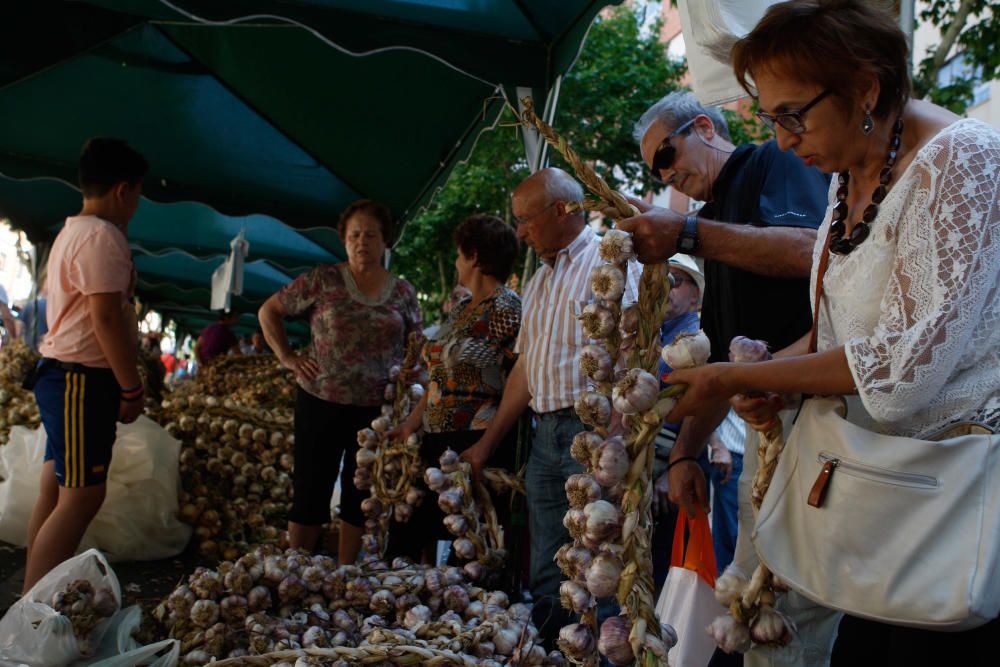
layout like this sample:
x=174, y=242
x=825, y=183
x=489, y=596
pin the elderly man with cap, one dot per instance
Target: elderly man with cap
x=547, y=374
x=756, y=234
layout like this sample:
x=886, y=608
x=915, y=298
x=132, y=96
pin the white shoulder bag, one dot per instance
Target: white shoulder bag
x=888, y=528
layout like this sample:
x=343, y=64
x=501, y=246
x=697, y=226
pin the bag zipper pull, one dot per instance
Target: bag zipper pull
x=818, y=492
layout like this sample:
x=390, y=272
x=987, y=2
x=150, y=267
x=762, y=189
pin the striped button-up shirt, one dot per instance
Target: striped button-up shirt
x=551, y=337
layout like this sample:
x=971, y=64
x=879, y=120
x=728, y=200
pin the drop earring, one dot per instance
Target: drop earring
x=868, y=124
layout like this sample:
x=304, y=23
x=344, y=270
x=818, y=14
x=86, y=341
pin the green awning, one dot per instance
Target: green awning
x=272, y=115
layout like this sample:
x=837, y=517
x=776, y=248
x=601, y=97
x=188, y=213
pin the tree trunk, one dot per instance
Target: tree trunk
x=948, y=39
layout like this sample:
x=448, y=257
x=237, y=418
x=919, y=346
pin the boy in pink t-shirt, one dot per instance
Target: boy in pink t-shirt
x=87, y=380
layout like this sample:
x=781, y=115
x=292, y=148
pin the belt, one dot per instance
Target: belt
x=69, y=366
x=562, y=412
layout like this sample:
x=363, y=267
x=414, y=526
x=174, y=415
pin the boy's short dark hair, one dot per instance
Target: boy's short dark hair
x=105, y=162
x=491, y=240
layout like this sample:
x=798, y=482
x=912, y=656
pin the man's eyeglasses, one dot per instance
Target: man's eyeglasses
x=525, y=218
x=791, y=120
x=666, y=153
x=681, y=278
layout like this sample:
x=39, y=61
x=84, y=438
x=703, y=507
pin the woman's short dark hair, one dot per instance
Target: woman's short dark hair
x=492, y=241
x=378, y=211
x=830, y=43
x=105, y=162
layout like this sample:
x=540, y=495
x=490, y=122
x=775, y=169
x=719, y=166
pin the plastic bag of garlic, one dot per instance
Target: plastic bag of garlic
x=290, y=607
x=138, y=520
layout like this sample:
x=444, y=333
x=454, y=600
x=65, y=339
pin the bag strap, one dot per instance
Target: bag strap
x=699, y=556
x=824, y=260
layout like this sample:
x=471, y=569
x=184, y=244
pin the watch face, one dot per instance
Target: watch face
x=686, y=243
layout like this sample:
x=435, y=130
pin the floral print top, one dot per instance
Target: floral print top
x=468, y=362
x=355, y=340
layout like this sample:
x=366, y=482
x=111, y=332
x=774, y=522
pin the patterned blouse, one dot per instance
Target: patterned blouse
x=469, y=361
x=355, y=340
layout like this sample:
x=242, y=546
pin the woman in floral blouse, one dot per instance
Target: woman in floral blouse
x=359, y=316
x=468, y=363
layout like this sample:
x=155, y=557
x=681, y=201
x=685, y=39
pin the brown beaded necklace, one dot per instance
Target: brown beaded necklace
x=838, y=226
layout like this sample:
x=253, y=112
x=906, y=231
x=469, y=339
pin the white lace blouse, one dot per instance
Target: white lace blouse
x=917, y=305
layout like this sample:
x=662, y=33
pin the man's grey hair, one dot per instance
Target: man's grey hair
x=560, y=186
x=674, y=110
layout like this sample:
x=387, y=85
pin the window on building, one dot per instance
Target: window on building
x=957, y=68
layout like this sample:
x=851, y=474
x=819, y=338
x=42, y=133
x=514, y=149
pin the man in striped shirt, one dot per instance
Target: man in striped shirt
x=547, y=375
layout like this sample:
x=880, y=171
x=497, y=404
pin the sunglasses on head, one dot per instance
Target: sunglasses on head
x=666, y=153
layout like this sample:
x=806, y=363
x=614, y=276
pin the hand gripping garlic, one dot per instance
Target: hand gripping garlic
x=687, y=351
x=729, y=635
x=613, y=642
x=597, y=321
x=635, y=392
x=607, y=282
x=582, y=489
x=596, y=363
x=610, y=462
x=593, y=409
x=616, y=247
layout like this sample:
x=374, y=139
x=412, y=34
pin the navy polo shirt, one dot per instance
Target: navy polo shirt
x=763, y=186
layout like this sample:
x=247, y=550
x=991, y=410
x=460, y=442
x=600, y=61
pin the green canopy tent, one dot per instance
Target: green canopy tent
x=283, y=111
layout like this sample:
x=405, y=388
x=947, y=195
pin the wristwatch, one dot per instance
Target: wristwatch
x=687, y=240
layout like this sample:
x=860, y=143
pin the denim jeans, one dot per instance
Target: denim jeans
x=549, y=465
x=725, y=512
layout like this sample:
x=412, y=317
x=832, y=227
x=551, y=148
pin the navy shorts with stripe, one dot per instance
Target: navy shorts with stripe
x=79, y=409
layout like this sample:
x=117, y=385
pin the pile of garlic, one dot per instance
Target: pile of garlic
x=85, y=607
x=249, y=380
x=270, y=600
x=236, y=462
x=387, y=467
x=17, y=405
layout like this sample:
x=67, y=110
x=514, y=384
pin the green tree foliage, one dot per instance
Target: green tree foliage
x=972, y=25
x=620, y=72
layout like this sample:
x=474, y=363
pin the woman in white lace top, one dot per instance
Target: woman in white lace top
x=909, y=321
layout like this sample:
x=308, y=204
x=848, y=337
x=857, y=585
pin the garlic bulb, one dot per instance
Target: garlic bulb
x=365, y=457
x=204, y=613
x=583, y=445
x=416, y=616
x=582, y=489
x=771, y=627
x=730, y=585
x=435, y=479
x=687, y=351
x=613, y=641
x=464, y=548
x=747, y=350
x=449, y=461
x=452, y=500
x=415, y=496
x=576, y=641
x=505, y=640
x=635, y=392
x=596, y=363
x=597, y=321
x=610, y=462
x=604, y=523
x=729, y=635
x=574, y=560
x=402, y=512
x=575, y=521
x=603, y=574
x=456, y=598
x=593, y=409
x=616, y=247
x=363, y=478
x=474, y=570
x=456, y=524
x=381, y=425
x=371, y=507
x=383, y=602
x=607, y=282
x=628, y=325
x=575, y=597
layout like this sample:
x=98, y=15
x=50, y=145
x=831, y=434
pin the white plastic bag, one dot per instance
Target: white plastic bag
x=33, y=633
x=138, y=520
x=119, y=648
x=687, y=601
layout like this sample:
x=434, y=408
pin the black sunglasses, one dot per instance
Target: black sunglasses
x=791, y=120
x=666, y=153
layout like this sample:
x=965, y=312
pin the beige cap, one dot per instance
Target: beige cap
x=688, y=265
